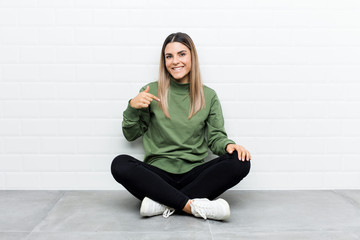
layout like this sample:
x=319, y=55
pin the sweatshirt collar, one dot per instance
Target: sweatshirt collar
x=181, y=88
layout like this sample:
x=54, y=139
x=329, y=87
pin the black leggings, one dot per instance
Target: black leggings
x=208, y=180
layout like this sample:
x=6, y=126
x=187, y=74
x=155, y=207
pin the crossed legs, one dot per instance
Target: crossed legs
x=208, y=180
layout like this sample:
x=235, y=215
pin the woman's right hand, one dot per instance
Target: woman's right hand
x=143, y=99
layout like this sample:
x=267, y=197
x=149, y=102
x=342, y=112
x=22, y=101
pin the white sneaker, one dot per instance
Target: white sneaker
x=217, y=209
x=151, y=208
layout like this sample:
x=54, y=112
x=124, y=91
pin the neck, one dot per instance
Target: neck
x=183, y=80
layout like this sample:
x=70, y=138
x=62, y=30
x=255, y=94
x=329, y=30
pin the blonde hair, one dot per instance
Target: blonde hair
x=197, y=99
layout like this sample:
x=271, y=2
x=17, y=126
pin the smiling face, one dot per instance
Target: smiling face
x=178, y=61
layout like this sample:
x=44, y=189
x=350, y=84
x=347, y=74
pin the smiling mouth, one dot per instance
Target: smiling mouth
x=177, y=69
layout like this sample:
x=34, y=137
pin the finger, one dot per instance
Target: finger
x=147, y=89
x=146, y=102
x=238, y=149
x=154, y=97
x=247, y=156
x=148, y=98
x=243, y=153
x=238, y=152
x=231, y=149
x=149, y=94
x=143, y=105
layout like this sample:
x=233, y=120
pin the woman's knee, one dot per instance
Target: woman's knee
x=238, y=167
x=120, y=165
x=118, y=160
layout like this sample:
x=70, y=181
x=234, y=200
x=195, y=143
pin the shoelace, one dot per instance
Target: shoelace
x=202, y=209
x=168, y=212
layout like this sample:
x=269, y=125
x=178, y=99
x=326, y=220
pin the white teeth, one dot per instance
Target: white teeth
x=177, y=69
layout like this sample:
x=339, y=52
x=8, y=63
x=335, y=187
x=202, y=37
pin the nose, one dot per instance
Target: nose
x=175, y=60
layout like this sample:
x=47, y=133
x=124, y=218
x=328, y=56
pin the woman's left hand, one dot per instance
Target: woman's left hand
x=242, y=152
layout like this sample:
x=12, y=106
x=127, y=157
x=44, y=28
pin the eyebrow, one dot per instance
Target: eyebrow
x=178, y=52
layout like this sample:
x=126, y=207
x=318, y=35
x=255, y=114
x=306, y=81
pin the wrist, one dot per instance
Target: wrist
x=227, y=145
x=131, y=103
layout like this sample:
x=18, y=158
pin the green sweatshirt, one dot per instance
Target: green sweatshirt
x=178, y=144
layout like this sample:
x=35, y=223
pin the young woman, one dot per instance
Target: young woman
x=179, y=119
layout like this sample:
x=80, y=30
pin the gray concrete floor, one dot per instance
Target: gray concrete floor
x=105, y=215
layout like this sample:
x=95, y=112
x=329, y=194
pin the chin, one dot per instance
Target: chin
x=178, y=78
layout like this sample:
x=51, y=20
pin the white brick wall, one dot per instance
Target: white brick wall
x=287, y=73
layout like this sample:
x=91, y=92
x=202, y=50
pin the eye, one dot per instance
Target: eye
x=182, y=54
x=168, y=56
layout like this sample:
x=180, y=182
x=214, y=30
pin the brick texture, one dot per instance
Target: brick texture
x=287, y=74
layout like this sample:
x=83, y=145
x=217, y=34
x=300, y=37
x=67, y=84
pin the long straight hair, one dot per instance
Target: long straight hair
x=197, y=99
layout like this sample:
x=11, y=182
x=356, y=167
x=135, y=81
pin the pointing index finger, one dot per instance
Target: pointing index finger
x=154, y=97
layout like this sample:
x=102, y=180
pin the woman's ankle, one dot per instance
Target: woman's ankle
x=187, y=207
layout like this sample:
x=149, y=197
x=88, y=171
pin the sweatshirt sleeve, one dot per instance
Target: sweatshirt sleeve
x=216, y=135
x=135, y=122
